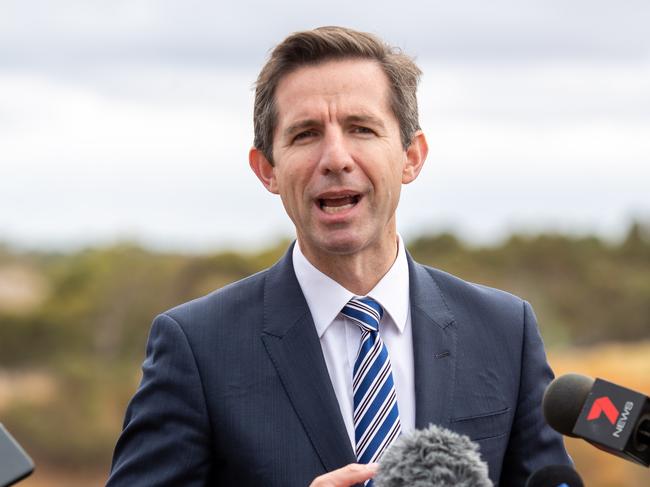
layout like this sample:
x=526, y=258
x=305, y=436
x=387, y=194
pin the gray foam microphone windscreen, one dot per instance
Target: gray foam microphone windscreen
x=433, y=457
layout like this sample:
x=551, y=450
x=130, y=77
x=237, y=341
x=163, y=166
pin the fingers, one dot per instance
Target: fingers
x=351, y=474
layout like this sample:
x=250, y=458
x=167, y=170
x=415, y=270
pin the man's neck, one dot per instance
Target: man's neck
x=360, y=272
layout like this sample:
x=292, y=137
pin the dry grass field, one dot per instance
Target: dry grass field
x=628, y=365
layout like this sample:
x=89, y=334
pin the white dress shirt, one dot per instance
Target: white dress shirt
x=340, y=337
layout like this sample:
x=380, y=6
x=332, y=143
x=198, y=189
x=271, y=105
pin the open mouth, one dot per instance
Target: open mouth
x=335, y=205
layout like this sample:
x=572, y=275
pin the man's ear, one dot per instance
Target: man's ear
x=416, y=154
x=263, y=169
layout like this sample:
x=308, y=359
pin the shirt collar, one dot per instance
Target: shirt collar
x=326, y=297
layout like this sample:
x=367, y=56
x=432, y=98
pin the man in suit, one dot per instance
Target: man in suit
x=262, y=382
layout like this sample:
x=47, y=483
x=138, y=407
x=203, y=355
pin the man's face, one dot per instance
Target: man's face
x=338, y=158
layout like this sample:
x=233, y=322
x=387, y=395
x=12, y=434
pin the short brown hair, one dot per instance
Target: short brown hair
x=330, y=43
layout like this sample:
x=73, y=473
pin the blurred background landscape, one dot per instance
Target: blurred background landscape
x=74, y=325
x=125, y=188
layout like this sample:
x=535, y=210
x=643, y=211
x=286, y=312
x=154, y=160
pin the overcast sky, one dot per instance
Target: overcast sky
x=132, y=119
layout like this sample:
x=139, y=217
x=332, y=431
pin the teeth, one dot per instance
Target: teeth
x=335, y=209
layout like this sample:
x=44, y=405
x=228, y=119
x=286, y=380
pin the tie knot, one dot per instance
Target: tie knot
x=366, y=312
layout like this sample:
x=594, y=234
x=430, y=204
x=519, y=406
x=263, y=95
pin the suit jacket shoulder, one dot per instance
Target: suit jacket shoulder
x=234, y=299
x=460, y=295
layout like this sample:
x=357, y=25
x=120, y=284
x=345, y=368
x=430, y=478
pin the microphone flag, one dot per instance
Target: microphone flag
x=608, y=420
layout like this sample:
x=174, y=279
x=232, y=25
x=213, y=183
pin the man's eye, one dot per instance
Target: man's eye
x=363, y=130
x=304, y=135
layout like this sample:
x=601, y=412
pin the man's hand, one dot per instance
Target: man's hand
x=354, y=473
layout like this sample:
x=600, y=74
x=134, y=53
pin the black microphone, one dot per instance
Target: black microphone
x=612, y=418
x=15, y=464
x=434, y=457
x=555, y=476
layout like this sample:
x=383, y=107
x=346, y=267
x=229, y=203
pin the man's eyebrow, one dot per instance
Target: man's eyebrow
x=350, y=119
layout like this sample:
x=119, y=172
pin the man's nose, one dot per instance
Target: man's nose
x=335, y=155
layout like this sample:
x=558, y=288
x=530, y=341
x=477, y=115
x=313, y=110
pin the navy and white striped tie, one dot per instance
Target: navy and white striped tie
x=376, y=418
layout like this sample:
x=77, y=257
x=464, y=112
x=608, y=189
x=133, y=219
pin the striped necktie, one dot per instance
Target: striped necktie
x=376, y=418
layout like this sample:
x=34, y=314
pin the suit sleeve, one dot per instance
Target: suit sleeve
x=165, y=440
x=533, y=444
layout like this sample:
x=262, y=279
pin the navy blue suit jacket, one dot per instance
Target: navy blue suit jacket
x=235, y=390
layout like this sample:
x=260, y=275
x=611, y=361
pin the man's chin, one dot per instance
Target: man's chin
x=338, y=245
x=343, y=242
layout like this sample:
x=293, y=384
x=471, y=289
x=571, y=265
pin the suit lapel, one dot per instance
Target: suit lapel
x=434, y=349
x=292, y=343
